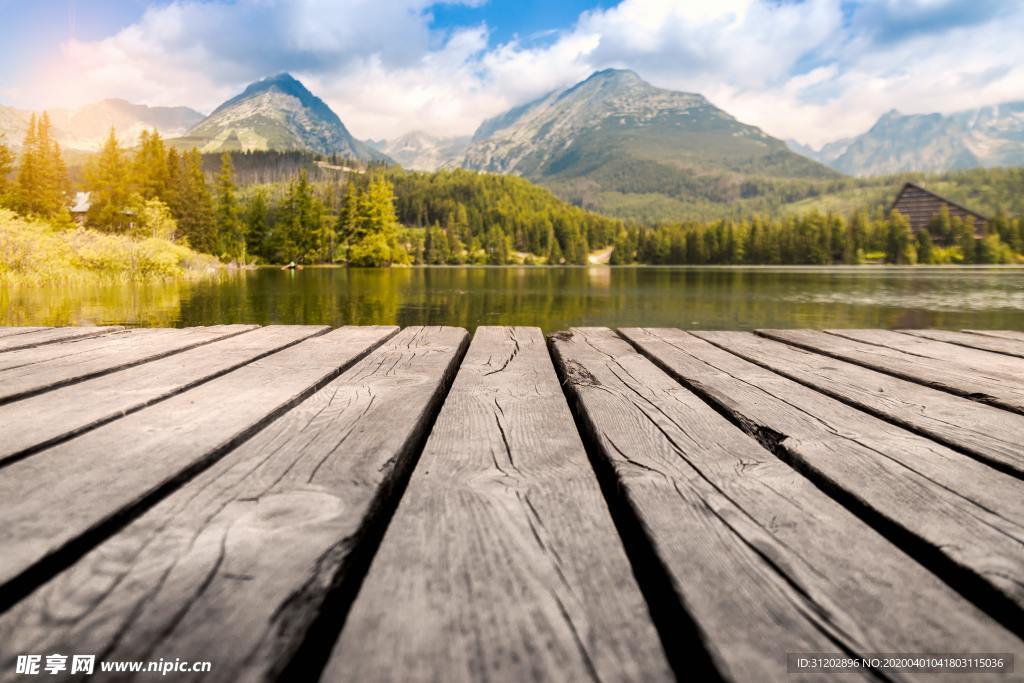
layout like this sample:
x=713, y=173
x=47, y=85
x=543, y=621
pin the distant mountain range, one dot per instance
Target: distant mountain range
x=86, y=128
x=277, y=113
x=421, y=151
x=984, y=137
x=615, y=141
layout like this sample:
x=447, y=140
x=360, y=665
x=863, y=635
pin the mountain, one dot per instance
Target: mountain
x=985, y=137
x=276, y=113
x=421, y=151
x=616, y=143
x=86, y=128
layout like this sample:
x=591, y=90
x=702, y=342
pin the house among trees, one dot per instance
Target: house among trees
x=922, y=207
x=80, y=207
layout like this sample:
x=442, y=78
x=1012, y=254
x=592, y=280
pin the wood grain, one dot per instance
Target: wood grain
x=26, y=372
x=763, y=560
x=235, y=566
x=992, y=386
x=922, y=347
x=13, y=338
x=1009, y=347
x=989, y=434
x=961, y=515
x=1012, y=335
x=79, y=407
x=60, y=500
x=502, y=538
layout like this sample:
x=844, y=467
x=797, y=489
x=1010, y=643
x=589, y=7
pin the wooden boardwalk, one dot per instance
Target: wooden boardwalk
x=376, y=504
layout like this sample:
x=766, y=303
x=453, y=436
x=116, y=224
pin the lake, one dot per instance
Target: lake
x=552, y=298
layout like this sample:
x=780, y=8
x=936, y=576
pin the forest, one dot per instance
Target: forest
x=282, y=207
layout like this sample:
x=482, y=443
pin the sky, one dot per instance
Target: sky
x=810, y=70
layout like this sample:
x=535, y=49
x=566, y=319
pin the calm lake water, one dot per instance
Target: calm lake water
x=552, y=298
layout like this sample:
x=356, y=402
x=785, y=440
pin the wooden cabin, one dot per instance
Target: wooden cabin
x=920, y=206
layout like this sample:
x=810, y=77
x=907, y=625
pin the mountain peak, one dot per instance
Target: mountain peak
x=279, y=113
x=616, y=75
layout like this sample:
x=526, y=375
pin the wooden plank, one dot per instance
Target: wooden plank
x=37, y=422
x=8, y=331
x=763, y=560
x=235, y=566
x=972, y=359
x=987, y=433
x=1007, y=347
x=39, y=336
x=31, y=371
x=497, y=540
x=58, y=502
x=1012, y=335
x=993, y=388
x=961, y=516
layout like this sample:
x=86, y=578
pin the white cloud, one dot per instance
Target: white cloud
x=812, y=69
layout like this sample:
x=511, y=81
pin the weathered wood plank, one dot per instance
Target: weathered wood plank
x=8, y=331
x=958, y=514
x=31, y=371
x=974, y=359
x=763, y=560
x=993, y=388
x=502, y=537
x=79, y=407
x=1012, y=335
x=1007, y=347
x=235, y=566
x=30, y=337
x=61, y=499
x=988, y=433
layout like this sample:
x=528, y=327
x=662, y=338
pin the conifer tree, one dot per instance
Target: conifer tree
x=229, y=226
x=107, y=180
x=192, y=205
x=151, y=167
x=42, y=184
x=256, y=227
x=6, y=166
x=899, y=246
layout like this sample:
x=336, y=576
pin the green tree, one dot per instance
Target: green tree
x=899, y=244
x=6, y=167
x=42, y=183
x=192, y=205
x=230, y=228
x=924, y=247
x=151, y=167
x=111, y=194
x=256, y=225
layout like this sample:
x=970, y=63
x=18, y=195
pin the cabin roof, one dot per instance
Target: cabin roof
x=909, y=186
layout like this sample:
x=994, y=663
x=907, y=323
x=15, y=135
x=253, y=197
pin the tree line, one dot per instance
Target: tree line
x=328, y=210
x=817, y=238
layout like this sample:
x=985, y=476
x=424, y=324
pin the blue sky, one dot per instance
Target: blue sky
x=814, y=70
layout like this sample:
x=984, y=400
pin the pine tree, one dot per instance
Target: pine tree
x=256, y=228
x=230, y=228
x=107, y=180
x=151, y=167
x=192, y=205
x=42, y=184
x=6, y=166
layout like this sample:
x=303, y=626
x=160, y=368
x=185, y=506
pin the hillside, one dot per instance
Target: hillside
x=618, y=144
x=276, y=113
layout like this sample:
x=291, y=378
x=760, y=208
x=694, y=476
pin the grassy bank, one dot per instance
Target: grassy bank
x=35, y=251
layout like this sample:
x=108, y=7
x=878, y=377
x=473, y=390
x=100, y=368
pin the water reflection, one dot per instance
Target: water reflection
x=553, y=298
